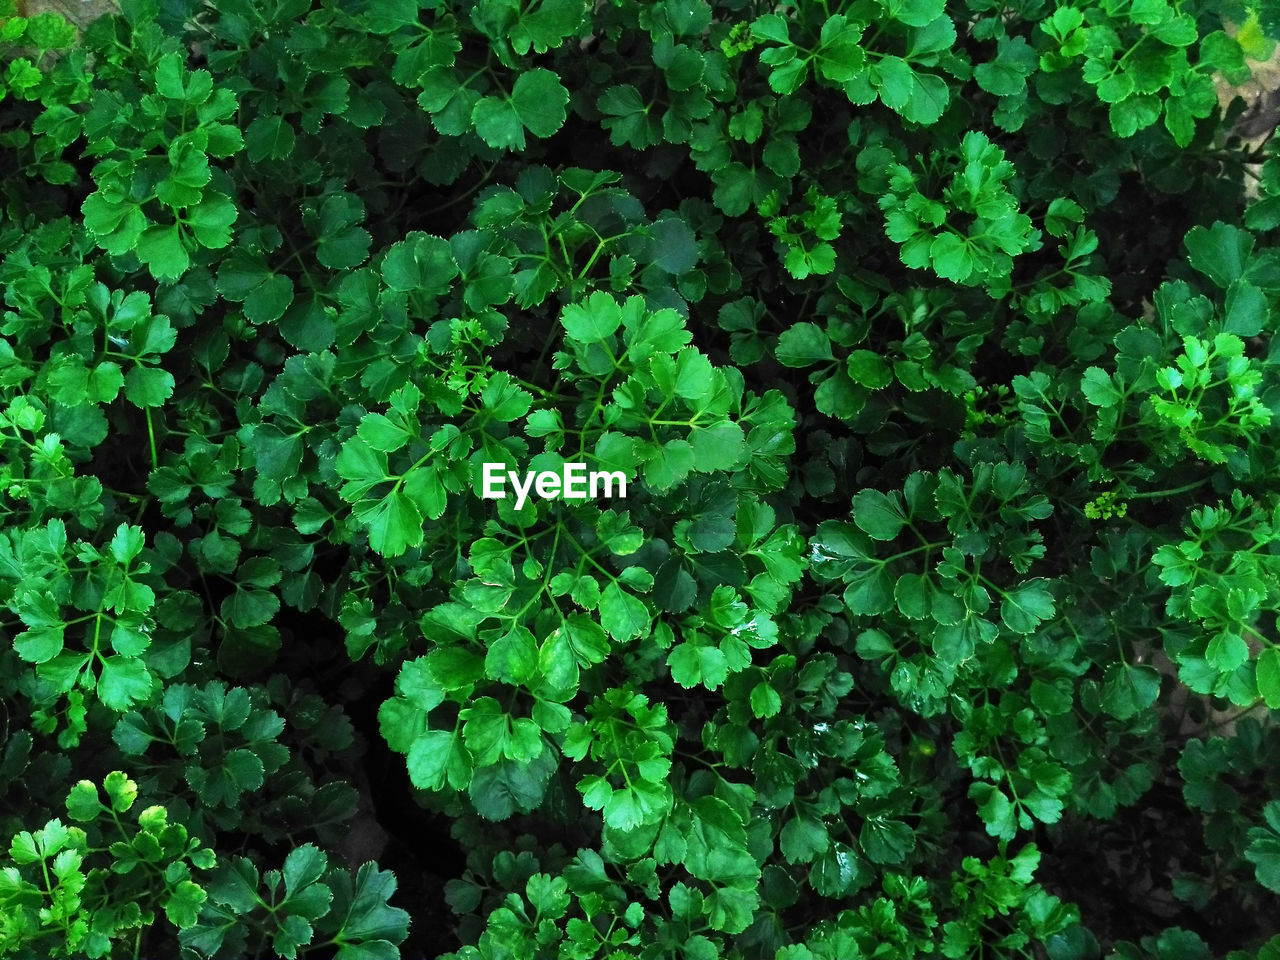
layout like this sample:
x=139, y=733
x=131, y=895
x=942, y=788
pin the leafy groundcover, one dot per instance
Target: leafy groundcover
x=926, y=346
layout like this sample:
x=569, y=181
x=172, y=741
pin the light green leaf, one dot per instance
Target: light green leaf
x=539, y=100
x=513, y=657
x=1268, y=672
x=160, y=248
x=765, y=701
x=894, y=80
x=694, y=663
x=1025, y=606
x=868, y=368
x=498, y=123
x=593, y=319
x=879, y=515
x=430, y=757
x=123, y=683
x=915, y=13
x=394, y=523
x=148, y=386
x=625, y=616
x=1099, y=389
x=802, y=345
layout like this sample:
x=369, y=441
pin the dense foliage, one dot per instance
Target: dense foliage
x=933, y=337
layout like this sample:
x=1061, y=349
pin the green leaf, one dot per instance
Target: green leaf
x=246, y=278
x=176, y=83
x=1133, y=113
x=694, y=374
x=624, y=616
x=675, y=245
x=431, y=757
x=548, y=24
x=1116, y=87
x=1128, y=690
x=394, y=522
x=161, y=249
x=1016, y=60
x=1062, y=215
x=1264, y=848
x=839, y=58
x=82, y=803
x=250, y=608
x=537, y=103
x=839, y=871
x=894, y=80
x=880, y=515
x=148, y=386
x=694, y=664
x=499, y=791
x=627, y=118
x=513, y=657
x=548, y=895
x=341, y=242
x=211, y=219
x=1246, y=311
x=1223, y=54
x=868, y=368
x=419, y=262
x=765, y=701
x=116, y=224
x=303, y=866
x=370, y=927
x=126, y=543
x=915, y=13
x=382, y=434
x=1025, y=606
x=913, y=594
x=1099, y=389
x=803, y=839
x=120, y=790
x=716, y=448
x=1220, y=252
x=668, y=464
x=1268, y=673
x=771, y=26
x=391, y=15
x=539, y=100
x=498, y=123
x=123, y=683
x=586, y=639
x=802, y=345
x=269, y=138
x=886, y=841
x=996, y=810
x=504, y=400
x=593, y=319
x=929, y=98
x=40, y=644
x=183, y=902
x=951, y=258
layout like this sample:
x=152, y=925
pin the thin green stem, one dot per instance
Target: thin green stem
x=1174, y=491
x=151, y=435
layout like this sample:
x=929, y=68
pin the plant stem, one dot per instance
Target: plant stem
x=151, y=435
x=1153, y=494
